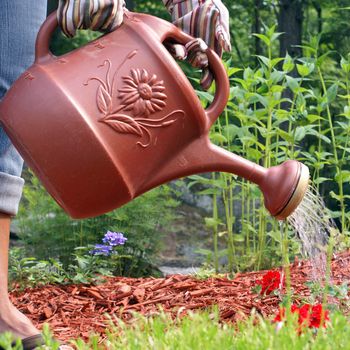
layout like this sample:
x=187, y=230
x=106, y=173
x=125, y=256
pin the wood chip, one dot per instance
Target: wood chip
x=78, y=310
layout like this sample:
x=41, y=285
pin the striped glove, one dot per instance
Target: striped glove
x=204, y=19
x=102, y=15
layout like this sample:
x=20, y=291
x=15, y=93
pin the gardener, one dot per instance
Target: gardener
x=19, y=24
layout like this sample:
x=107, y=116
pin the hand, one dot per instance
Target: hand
x=204, y=19
x=102, y=15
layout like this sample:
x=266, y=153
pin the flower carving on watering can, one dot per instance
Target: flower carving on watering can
x=142, y=93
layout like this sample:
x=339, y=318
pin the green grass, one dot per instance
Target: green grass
x=200, y=331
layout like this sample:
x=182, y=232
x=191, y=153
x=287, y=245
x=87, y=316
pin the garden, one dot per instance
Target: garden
x=258, y=283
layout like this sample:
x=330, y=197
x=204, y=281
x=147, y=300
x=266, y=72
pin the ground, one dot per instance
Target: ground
x=79, y=310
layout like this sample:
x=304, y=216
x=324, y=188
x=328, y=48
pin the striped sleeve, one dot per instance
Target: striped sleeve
x=208, y=22
x=205, y=19
x=103, y=15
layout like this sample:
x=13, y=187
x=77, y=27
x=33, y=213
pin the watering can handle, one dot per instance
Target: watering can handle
x=222, y=90
x=42, y=50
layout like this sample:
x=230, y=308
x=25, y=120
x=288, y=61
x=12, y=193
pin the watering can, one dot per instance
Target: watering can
x=117, y=117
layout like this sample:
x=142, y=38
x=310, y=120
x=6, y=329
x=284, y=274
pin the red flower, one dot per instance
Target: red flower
x=270, y=281
x=282, y=313
x=308, y=315
x=317, y=315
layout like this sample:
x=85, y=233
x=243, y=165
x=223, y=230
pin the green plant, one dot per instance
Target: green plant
x=281, y=109
x=47, y=232
x=204, y=331
x=90, y=264
x=29, y=272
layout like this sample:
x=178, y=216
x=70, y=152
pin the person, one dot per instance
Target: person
x=19, y=23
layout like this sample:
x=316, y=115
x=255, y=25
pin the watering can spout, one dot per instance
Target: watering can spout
x=283, y=186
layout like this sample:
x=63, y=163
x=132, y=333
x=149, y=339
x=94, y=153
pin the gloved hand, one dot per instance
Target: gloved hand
x=103, y=15
x=204, y=19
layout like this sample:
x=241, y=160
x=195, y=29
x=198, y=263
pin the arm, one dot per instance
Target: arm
x=103, y=15
x=207, y=20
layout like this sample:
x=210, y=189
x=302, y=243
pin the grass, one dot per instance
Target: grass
x=203, y=331
x=200, y=331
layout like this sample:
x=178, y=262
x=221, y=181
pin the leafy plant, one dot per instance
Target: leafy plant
x=47, y=232
x=282, y=109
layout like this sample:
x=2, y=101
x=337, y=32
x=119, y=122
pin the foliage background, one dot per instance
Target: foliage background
x=290, y=98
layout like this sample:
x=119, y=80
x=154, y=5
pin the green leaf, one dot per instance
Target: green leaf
x=338, y=197
x=323, y=57
x=254, y=153
x=321, y=136
x=210, y=191
x=292, y=83
x=300, y=133
x=231, y=131
x=259, y=98
x=205, y=252
x=264, y=38
x=275, y=235
x=277, y=76
x=332, y=93
x=217, y=137
x=276, y=61
x=248, y=73
x=313, y=117
x=274, y=36
x=343, y=176
x=232, y=70
x=345, y=65
x=238, y=238
x=211, y=222
x=346, y=112
x=305, y=69
x=205, y=95
x=285, y=135
x=288, y=64
x=277, y=88
x=320, y=180
x=264, y=60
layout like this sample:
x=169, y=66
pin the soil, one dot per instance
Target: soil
x=74, y=311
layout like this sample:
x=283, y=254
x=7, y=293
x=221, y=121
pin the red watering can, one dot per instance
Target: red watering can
x=107, y=122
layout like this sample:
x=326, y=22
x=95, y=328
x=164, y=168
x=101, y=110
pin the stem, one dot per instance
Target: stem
x=230, y=246
x=261, y=233
x=328, y=268
x=215, y=229
x=229, y=178
x=107, y=75
x=345, y=227
x=285, y=258
x=335, y=154
x=247, y=220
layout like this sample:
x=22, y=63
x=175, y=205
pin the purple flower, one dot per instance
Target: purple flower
x=114, y=238
x=101, y=249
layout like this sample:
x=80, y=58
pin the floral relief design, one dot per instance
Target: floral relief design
x=142, y=94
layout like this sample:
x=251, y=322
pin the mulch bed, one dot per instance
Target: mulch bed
x=78, y=310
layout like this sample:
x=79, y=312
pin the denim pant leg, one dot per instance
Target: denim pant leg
x=20, y=21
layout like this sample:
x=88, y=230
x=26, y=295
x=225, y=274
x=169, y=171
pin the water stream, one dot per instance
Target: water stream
x=313, y=224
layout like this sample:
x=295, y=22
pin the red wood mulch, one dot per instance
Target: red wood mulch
x=78, y=310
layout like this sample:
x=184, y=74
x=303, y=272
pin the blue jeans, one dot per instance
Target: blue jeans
x=20, y=21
